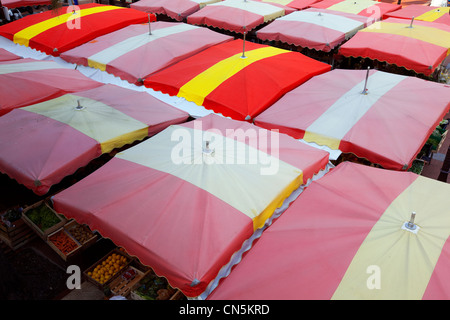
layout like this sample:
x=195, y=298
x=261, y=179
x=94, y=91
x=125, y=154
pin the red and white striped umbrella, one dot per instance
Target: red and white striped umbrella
x=5, y=55
x=27, y=81
x=351, y=236
x=45, y=142
x=319, y=29
x=136, y=51
x=175, y=9
x=185, y=200
x=240, y=16
x=383, y=117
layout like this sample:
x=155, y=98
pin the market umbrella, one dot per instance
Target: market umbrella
x=43, y=143
x=423, y=13
x=70, y=26
x=27, y=81
x=5, y=55
x=235, y=83
x=383, y=117
x=11, y=4
x=238, y=16
x=319, y=29
x=134, y=52
x=348, y=237
x=420, y=46
x=368, y=8
x=175, y=9
x=295, y=4
x=183, y=206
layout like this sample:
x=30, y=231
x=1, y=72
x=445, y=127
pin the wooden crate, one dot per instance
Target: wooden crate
x=69, y=226
x=177, y=295
x=43, y=233
x=16, y=235
x=68, y=255
x=106, y=284
x=121, y=286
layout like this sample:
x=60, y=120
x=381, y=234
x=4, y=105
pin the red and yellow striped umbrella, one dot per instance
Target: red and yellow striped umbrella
x=350, y=235
x=423, y=13
x=70, y=26
x=45, y=142
x=27, y=81
x=175, y=9
x=184, y=206
x=420, y=46
x=234, y=83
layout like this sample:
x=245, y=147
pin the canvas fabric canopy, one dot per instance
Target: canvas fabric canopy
x=368, y=8
x=319, y=29
x=70, y=27
x=219, y=79
x=423, y=13
x=134, y=52
x=345, y=238
x=187, y=208
x=175, y=9
x=388, y=124
x=5, y=55
x=422, y=47
x=239, y=16
x=27, y=81
x=45, y=142
x=11, y=4
x=295, y=4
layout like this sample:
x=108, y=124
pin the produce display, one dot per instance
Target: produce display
x=63, y=242
x=43, y=217
x=153, y=287
x=107, y=268
x=81, y=232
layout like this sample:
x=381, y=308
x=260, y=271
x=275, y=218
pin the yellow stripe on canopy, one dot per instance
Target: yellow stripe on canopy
x=178, y=151
x=105, y=124
x=204, y=83
x=427, y=34
x=402, y=260
x=434, y=14
x=23, y=36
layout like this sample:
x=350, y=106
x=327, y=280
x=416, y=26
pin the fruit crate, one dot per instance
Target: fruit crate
x=71, y=244
x=43, y=204
x=123, y=284
x=93, y=273
x=81, y=233
x=16, y=234
x=146, y=282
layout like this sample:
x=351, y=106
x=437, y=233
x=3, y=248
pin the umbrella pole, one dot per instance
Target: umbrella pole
x=365, y=91
x=411, y=24
x=243, y=47
x=149, y=26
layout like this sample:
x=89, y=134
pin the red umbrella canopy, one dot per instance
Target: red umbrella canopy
x=27, y=81
x=295, y=4
x=175, y=9
x=5, y=55
x=416, y=45
x=234, y=83
x=347, y=237
x=45, y=142
x=136, y=51
x=70, y=26
x=368, y=8
x=239, y=16
x=11, y=4
x=388, y=123
x=423, y=13
x=185, y=200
